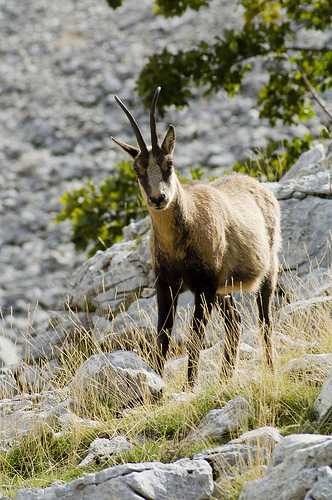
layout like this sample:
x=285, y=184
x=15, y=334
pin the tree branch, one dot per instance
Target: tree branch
x=314, y=94
x=309, y=49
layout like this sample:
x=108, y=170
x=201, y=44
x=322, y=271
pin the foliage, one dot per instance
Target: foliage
x=98, y=214
x=296, y=73
x=275, y=161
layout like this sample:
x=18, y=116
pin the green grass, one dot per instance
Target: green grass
x=159, y=431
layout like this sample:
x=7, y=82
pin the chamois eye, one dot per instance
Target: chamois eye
x=169, y=163
x=137, y=172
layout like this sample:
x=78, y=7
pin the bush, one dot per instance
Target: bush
x=98, y=214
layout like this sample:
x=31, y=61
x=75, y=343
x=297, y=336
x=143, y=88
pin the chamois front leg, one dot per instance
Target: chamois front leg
x=204, y=301
x=167, y=300
x=232, y=324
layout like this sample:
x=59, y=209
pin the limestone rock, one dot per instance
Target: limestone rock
x=265, y=437
x=322, y=489
x=305, y=233
x=8, y=386
x=121, y=375
x=102, y=449
x=293, y=469
x=312, y=366
x=233, y=458
x=221, y=422
x=323, y=403
x=26, y=414
x=189, y=479
x=312, y=162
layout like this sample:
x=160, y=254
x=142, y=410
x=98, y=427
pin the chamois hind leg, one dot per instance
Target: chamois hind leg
x=232, y=324
x=204, y=301
x=264, y=301
x=167, y=300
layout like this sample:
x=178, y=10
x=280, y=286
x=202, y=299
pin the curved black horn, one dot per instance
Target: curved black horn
x=153, y=124
x=135, y=127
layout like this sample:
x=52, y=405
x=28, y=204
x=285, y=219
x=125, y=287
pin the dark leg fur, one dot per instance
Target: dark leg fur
x=167, y=299
x=232, y=324
x=204, y=302
x=264, y=300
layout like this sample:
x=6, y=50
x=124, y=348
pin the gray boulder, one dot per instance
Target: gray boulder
x=295, y=470
x=311, y=162
x=323, y=403
x=221, y=422
x=122, y=376
x=189, y=479
x=103, y=449
x=313, y=367
x=26, y=415
x=265, y=437
x=232, y=459
x=306, y=226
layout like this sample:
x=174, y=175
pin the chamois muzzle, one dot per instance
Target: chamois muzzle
x=158, y=203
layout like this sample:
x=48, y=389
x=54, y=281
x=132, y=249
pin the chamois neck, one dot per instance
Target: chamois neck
x=169, y=223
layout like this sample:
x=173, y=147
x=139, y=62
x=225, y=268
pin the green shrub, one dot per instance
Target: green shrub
x=98, y=214
x=276, y=160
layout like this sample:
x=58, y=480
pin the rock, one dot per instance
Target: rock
x=103, y=449
x=322, y=489
x=36, y=414
x=36, y=379
x=221, y=422
x=121, y=269
x=265, y=437
x=317, y=282
x=233, y=458
x=312, y=162
x=302, y=305
x=8, y=351
x=323, y=403
x=122, y=376
x=189, y=479
x=59, y=336
x=304, y=233
x=313, y=367
x=293, y=469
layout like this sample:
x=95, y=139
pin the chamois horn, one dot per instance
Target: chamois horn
x=136, y=129
x=153, y=123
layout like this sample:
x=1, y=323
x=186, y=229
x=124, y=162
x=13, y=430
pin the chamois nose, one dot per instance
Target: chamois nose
x=157, y=201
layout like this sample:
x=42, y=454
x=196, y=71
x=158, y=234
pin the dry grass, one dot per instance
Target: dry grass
x=158, y=431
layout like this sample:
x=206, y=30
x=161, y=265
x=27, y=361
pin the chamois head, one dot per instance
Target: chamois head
x=153, y=165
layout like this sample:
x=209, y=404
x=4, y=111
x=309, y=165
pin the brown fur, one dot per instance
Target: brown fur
x=213, y=239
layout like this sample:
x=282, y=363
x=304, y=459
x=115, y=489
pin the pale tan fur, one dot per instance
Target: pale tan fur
x=211, y=238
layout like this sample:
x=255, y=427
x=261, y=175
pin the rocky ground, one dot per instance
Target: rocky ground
x=61, y=64
x=34, y=403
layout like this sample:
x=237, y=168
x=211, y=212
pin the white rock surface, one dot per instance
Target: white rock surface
x=189, y=479
x=294, y=469
x=121, y=375
x=323, y=403
x=221, y=422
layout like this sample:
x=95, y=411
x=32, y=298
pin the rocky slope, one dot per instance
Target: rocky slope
x=36, y=405
x=61, y=64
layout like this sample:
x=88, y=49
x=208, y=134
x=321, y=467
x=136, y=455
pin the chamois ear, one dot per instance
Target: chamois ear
x=168, y=144
x=133, y=152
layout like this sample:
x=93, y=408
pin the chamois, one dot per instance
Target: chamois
x=211, y=238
